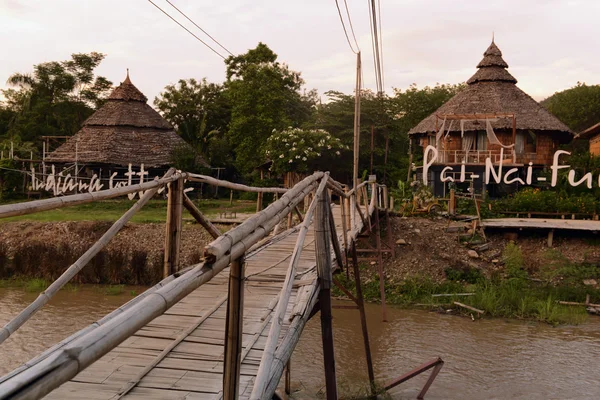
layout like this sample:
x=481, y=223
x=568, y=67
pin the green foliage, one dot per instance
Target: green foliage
x=296, y=149
x=513, y=262
x=465, y=274
x=550, y=201
x=264, y=96
x=10, y=180
x=198, y=110
x=578, y=107
x=55, y=99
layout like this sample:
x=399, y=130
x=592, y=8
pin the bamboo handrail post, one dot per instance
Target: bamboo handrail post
x=200, y=218
x=380, y=264
x=363, y=320
x=233, y=330
x=173, y=227
x=288, y=377
x=334, y=237
x=390, y=234
x=324, y=273
x=264, y=368
x=366, y=197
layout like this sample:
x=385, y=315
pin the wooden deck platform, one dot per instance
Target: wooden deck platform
x=179, y=355
x=541, y=223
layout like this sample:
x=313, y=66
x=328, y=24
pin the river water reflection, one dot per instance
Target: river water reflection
x=486, y=359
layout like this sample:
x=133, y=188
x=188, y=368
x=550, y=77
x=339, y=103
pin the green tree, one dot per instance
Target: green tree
x=578, y=107
x=264, y=96
x=56, y=98
x=198, y=110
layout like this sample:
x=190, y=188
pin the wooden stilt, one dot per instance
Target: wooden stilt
x=233, y=331
x=363, y=319
x=324, y=272
x=550, y=237
x=434, y=373
x=380, y=262
x=173, y=234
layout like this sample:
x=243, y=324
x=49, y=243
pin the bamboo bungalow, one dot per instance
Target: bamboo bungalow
x=490, y=117
x=124, y=131
x=593, y=135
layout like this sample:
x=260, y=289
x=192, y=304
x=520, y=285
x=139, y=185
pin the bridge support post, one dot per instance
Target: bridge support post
x=379, y=257
x=363, y=319
x=173, y=234
x=233, y=330
x=324, y=272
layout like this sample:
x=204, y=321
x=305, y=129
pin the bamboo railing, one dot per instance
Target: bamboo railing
x=66, y=359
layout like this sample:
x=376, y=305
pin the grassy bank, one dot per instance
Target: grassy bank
x=37, y=285
x=111, y=210
x=512, y=293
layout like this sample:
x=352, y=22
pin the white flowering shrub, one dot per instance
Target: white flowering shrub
x=294, y=148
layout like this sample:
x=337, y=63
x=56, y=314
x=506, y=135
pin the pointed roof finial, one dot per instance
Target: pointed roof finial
x=128, y=68
x=492, y=38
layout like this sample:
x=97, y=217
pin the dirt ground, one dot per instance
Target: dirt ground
x=430, y=249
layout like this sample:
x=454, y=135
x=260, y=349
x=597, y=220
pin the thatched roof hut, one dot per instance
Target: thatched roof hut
x=125, y=130
x=492, y=90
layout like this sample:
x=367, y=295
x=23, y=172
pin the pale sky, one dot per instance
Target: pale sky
x=548, y=44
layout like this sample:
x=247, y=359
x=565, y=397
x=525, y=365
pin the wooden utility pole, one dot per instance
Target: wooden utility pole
x=324, y=272
x=233, y=331
x=173, y=234
x=356, y=132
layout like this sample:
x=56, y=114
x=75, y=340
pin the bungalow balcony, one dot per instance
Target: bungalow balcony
x=475, y=157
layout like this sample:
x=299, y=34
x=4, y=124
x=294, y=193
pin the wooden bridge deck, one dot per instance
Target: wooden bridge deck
x=185, y=345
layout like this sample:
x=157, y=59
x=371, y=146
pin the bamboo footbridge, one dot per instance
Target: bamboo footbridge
x=222, y=329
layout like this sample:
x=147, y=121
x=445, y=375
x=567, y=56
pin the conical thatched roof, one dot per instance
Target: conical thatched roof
x=124, y=130
x=492, y=89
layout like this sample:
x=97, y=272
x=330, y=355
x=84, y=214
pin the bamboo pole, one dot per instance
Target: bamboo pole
x=173, y=227
x=11, y=210
x=235, y=186
x=363, y=319
x=72, y=358
x=234, y=321
x=268, y=353
x=324, y=273
x=200, y=218
x=379, y=257
x=335, y=241
x=221, y=245
x=77, y=266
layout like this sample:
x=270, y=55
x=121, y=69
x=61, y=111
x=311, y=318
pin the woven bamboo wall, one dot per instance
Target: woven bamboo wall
x=595, y=145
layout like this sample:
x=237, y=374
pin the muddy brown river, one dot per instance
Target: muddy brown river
x=486, y=359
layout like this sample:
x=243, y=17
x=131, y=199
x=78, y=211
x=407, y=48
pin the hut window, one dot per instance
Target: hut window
x=520, y=144
x=481, y=143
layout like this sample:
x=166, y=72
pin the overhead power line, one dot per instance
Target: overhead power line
x=206, y=33
x=376, y=46
x=351, y=27
x=381, y=45
x=187, y=30
x=345, y=31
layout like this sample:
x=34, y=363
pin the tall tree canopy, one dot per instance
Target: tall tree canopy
x=265, y=96
x=390, y=118
x=198, y=110
x=578, y=107
x=56, y=98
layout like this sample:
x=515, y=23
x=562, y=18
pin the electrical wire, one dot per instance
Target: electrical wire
x=351, y=27
x=206, y=33
x=373, y=46
x=188, y=31
x=343, y=26
x=381, y=45
x=376, y=46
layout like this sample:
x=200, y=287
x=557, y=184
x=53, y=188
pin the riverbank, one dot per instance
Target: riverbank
x=516, y=277
x=511, y=276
